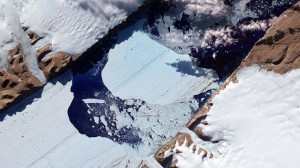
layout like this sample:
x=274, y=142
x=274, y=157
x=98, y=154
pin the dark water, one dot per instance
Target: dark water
x=229, y=57
x=87, y=83
x=87, y=79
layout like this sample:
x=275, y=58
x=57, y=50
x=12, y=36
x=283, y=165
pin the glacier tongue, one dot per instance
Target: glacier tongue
x=141, y=68
x=23, y=40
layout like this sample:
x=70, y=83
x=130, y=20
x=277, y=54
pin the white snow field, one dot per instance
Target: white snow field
x=141, y=68
x=42, y=136
x=257, y=121
x=74, y=26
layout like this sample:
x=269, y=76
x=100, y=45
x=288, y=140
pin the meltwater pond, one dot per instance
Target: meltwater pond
x=139, y=92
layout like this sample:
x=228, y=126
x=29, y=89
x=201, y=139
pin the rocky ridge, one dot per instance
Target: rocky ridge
x=277, y=51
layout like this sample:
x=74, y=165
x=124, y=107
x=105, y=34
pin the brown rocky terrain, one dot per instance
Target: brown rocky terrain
x=277, y=51
x=18, y=82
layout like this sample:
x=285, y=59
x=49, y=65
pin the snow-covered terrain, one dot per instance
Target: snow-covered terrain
x=256, y=122
x=69, y=24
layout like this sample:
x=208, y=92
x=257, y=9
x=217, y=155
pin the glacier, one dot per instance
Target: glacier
x=141, y=68
x=137, y=93
x=43, y=133
x=40, y=135
x=116, y=106
x=23, y=40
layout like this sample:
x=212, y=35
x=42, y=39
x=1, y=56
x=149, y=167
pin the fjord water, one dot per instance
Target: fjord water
x=139, y=92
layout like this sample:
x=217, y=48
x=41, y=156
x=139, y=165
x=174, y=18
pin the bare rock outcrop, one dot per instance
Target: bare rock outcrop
x=17, y=82
x=34, y=37
x=54, y=64
x=278, y=50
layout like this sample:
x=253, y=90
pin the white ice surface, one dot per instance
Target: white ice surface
x=156, y=124
x=6, y=40
x=257, y=121
x=90, y=101
x=41, y=135
x=141, y=68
